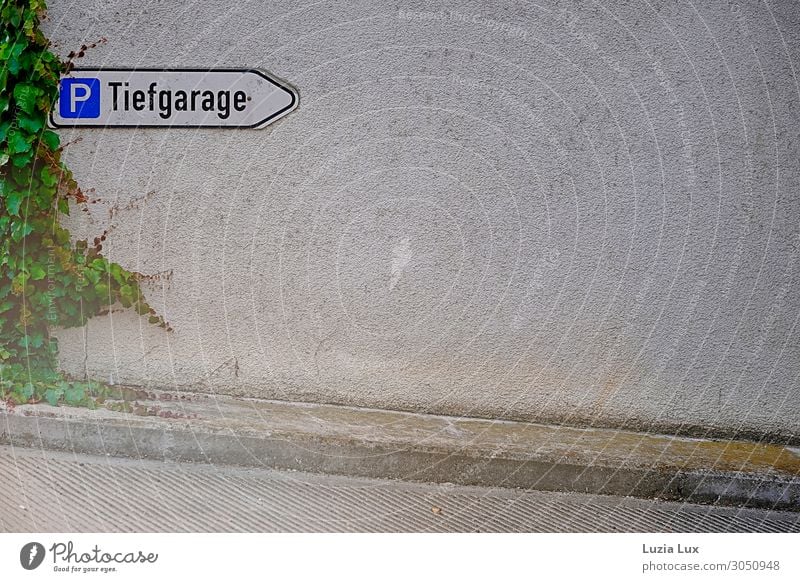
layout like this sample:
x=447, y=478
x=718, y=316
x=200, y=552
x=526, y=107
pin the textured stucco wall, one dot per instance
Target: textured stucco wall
x=571, y=211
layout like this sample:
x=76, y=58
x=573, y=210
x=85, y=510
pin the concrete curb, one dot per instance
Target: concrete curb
x=396, y=445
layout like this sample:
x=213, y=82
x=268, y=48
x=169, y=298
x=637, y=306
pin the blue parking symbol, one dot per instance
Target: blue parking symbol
x=79, y=98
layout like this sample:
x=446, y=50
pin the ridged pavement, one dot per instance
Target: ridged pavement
x=47, y=491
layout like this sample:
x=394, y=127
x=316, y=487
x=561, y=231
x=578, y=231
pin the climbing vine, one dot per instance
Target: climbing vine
x=46, y=280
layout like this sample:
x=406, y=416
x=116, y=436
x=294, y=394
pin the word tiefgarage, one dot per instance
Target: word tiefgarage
x=165, y=101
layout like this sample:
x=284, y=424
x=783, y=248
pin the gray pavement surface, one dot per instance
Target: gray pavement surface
x=382, y=444
x=46, y=491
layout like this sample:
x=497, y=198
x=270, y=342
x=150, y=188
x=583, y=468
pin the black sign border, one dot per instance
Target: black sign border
x=263, y=74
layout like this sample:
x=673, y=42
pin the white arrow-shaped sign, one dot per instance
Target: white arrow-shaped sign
x=232, y=98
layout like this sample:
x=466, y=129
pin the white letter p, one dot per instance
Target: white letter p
x=74, y=98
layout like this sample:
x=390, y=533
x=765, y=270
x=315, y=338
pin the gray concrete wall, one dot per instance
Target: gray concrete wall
x=569, y=211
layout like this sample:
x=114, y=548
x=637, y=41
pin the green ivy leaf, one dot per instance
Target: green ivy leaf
x=27, y=391
x=30, y=124
x=37, y=272
x=51, y=139
x=52, y=396
x=74, y=395
x=63, y=206
x=26, y=95
x=20, y=229
x=48, y=179
x=92, y=275
x=22, y=159
x=13, y=201
x=36, y=340
x=13, y=15
x=4, y=130
x=17, y=142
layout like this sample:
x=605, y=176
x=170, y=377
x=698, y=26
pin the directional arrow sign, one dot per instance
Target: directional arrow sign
x=233, y=98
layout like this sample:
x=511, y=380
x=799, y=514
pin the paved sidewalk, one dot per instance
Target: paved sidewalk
x=382, y=444
x=45, y=491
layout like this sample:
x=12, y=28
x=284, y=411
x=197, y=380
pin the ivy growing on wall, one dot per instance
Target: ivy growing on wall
x=46, y=280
